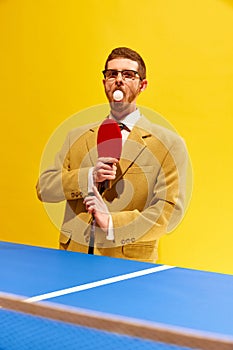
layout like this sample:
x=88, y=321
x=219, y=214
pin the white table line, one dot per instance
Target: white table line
x=99, y=283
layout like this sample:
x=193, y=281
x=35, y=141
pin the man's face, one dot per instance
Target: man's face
x=130, y=88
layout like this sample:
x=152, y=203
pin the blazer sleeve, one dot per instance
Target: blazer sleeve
x=61, y=182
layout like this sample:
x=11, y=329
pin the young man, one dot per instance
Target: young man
x=144, y=198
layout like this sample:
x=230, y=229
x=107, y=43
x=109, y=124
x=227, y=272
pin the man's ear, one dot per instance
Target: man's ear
x=143, y=85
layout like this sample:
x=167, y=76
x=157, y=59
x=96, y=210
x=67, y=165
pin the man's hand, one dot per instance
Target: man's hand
x=105, y=169
x=96, y=206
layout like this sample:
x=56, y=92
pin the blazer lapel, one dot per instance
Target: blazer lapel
x=133, y=147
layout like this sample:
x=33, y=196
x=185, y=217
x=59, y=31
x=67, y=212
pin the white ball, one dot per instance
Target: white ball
x=118, y=95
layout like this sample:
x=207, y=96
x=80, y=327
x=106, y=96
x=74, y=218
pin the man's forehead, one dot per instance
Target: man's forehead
x=122, y=63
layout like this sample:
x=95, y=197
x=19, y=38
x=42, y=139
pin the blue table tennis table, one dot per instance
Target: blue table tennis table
x=198, y=302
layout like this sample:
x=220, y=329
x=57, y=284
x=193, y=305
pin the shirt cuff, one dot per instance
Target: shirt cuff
x=110, y=233
x=90, y=183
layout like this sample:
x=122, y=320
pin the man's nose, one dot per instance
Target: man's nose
x=119, y=78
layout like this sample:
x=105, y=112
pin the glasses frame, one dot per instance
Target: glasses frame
x=120, y=71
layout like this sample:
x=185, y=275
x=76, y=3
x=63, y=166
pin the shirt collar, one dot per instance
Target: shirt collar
x=130, y=120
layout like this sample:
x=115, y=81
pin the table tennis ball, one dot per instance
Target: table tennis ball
x=118, y=95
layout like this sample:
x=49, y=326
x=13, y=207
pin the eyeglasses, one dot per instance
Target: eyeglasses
x=127, y=74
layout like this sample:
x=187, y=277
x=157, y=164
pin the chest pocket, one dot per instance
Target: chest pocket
x=133, y=190
x=146, y=169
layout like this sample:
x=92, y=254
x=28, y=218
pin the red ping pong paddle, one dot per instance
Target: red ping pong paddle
x=109, y=139
x=109, y=144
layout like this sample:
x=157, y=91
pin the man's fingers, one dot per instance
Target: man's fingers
x=105, y=169
x=90, y=206
x=101, y=174
x=91, y=201
x=108, y=160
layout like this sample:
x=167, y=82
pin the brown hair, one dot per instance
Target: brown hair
x=125, y=52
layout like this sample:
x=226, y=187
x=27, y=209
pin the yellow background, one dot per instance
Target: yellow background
x=52, y=54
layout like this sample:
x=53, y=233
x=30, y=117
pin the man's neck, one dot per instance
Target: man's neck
x=121, y=113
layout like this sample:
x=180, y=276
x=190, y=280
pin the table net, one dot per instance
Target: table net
x=50, y=326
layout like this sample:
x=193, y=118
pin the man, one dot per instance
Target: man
x=144, y=197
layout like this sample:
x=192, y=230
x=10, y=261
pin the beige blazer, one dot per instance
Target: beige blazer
x=146, y=200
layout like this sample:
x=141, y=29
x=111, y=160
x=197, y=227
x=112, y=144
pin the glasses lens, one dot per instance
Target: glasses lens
x=128, y=74
x=111, y=74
